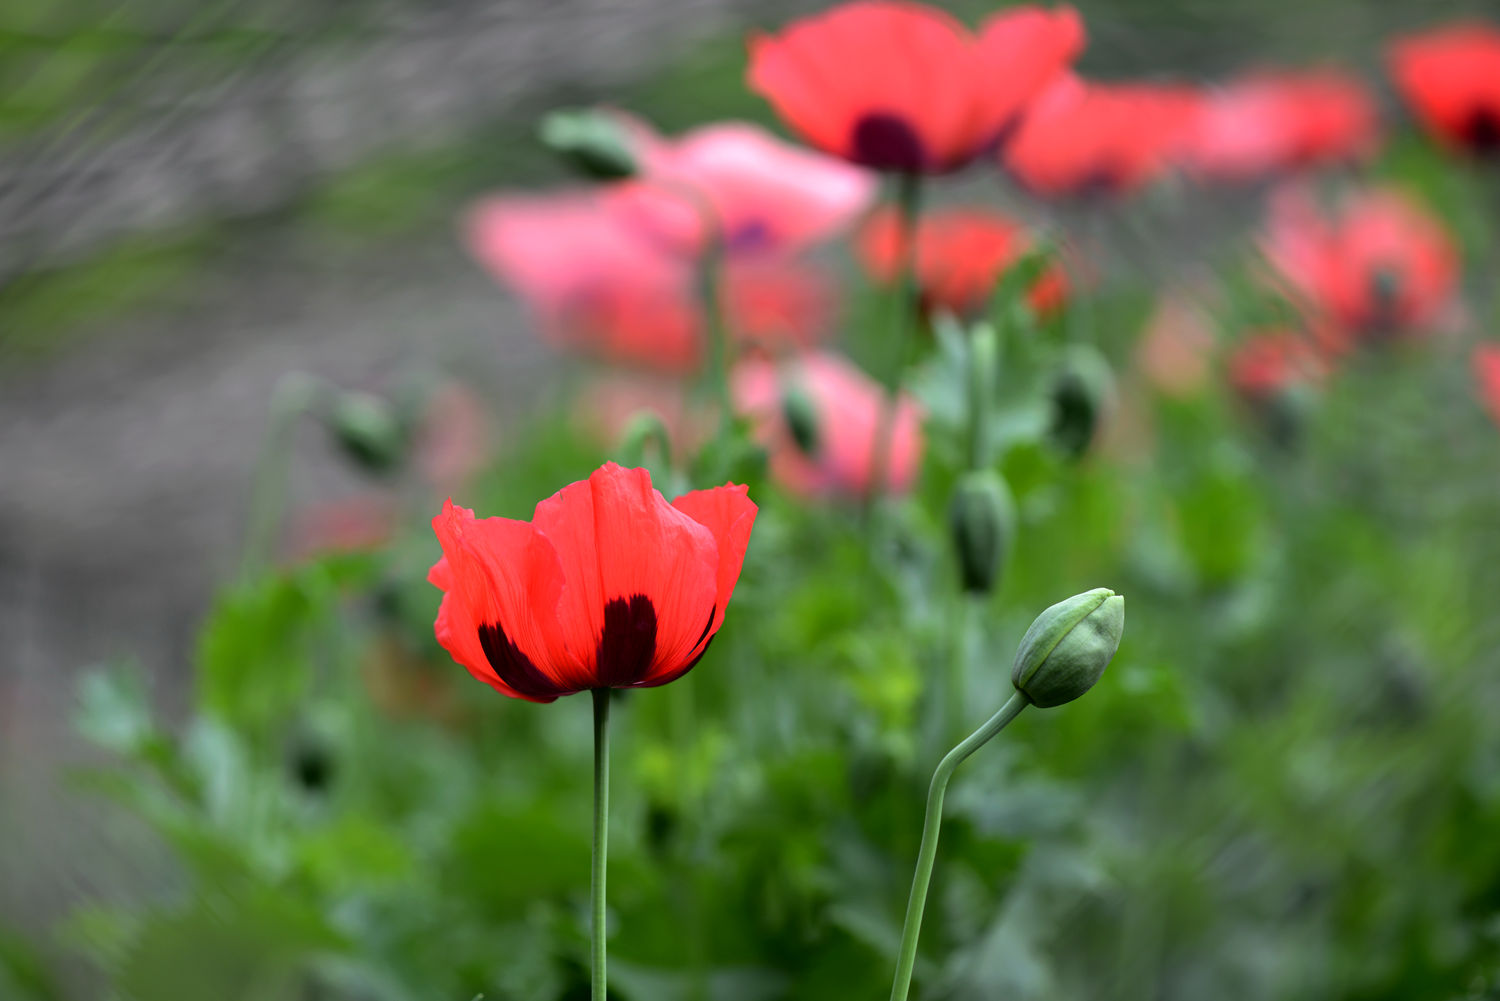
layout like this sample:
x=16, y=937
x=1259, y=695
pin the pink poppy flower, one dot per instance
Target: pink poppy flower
x=1486, y=361
x=831, y=456
x=765, y=196
x=597, y=278
x=1277, y=122
x=1380, y=266
x=1083, y=138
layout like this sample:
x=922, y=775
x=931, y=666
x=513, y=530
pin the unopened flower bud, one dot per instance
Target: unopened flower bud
x=591, y=141
x=801, y=416
x=369, y=431
x=982, y=521
x=1068, y=647
x=1081, y=394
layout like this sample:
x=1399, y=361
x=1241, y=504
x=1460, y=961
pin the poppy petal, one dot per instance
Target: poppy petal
x=639, y=575
x=728, y=513
x=502, y=581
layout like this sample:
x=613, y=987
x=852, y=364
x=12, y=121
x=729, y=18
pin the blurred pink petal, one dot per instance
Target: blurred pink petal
x=590, y=278
x=1084, y=138
x=847, y=407
x=1381, y=265
x=765, y=195
x=1278, y=122
x=454, y=438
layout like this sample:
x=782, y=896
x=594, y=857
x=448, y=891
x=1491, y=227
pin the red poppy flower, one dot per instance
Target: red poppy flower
x=1382, y=265
x=905, y=87
x=766, y=197
x=608, y=586
x=1083, y=138
x=599, y=279
x=841, y=410
x=961, y=254
x=1486, y=360
x=1273, y=122
x=1451, y=79
x=1266, y=363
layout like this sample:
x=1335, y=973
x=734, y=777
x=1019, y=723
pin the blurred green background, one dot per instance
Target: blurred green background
x=1287, y=786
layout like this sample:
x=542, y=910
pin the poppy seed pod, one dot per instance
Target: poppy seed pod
x=1082, y=392
x=801, y=416
x=369, y=430
x=592, y=142
x=1068, y=647
x=982, y=522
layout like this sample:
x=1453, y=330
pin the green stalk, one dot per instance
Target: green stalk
x=908, y=210
x=293, y=396
x=711, y=293
x=931, y=824
x=601, y=837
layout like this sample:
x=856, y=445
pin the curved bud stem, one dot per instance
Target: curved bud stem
x=931, y=824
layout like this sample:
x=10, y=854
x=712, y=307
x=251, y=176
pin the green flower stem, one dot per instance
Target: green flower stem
x=930, y=827
x=294, y=395
x=601, y=836
x=908, y=210
x=711, y=293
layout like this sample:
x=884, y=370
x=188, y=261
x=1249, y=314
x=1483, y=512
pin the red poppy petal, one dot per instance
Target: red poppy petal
x=640, y=576
x=729, y=513
x=502, y=581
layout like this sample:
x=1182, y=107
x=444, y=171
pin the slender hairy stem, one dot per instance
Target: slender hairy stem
x=294, y=393
x=711, y=292
x=930, y=827
x=907, y=304
x=601, y=835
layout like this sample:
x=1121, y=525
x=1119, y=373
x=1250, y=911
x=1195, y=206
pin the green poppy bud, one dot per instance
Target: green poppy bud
x=1082, y=392
x=591, y=141
x=1068, y=647
x=369, y=431
x=982, y=521
x=801, y=416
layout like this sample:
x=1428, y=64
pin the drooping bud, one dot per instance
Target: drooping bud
x=591, y=141
x=1082, y=393
x=1068, y=647
x=369, y=430
x=801, y=416
x=982, y=522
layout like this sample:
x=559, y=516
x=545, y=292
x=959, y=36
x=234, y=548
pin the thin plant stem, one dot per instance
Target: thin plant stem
x=908, y=210
x=711, y=293
x=601, y=838
x=293, y=395
x=931, y=824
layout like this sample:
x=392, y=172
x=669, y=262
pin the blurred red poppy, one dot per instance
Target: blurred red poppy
x=608, y=586
x=1381, y=266
x=765, y=196
x=598, y=278
x=906, y=87
x=1486, y=361
x=1269, y=362
x=1280, y=121
x=819, y=415
x=961, y=254
x=1081, y=138
x=1451, y=78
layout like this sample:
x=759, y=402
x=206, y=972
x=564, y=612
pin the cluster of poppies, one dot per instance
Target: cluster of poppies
x=876, y=87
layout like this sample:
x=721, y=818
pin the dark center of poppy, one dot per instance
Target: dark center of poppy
x=751, y=236
x=513, y=666
x=1482, y=131
x=1383, y=312
x=887, y=142
x=628, y=643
